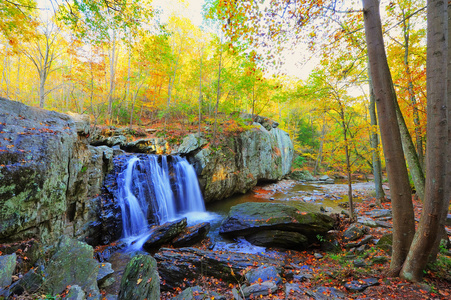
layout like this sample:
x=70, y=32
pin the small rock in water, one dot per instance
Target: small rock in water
x=272, y=198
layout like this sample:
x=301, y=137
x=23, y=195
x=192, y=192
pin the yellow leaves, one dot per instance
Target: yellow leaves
x=139, y=281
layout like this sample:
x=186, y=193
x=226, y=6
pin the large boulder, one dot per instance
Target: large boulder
x=47, y=172
x=240, y=161
x=163, y=234
x=140, y=279
x=260, y=219
x=72, y=264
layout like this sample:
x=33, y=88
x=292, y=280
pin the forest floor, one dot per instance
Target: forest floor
x=337, y=269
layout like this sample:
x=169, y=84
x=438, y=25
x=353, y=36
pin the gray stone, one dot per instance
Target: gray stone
x=140, y=280
x=7, y=266
x=361, y=284
x=318, y=255
x=30, y=282
x=263, y=273
x=191, y=143
x=379, y=213
x=354, y=232
x=257, y=289
x=105, y=273
x=197, y=293
x=326, y=293
x=75, y=293
x=367, y=221
x=293, y=291
x=302, y=175
x=72, y=264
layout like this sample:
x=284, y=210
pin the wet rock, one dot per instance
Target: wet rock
x=163, y=234
x=361, y=284
x=263, y=273
x=326, y=293
x=193, y=262
x=259, y=289
x=110, y=141
x=354, y=232
x=7, y=266
x=72, y=264
x=383, y=224
x=197, y=293
x=251, y=218
x=140, y=279
x=279, y=239
x=318, y=255
x=192, y=235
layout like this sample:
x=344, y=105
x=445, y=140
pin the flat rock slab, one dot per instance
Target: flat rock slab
x=263, y=273
x=326, y=293
x=163, y=234
x=175, y=266
x=192, y=235
x=252, y=217
x=360, y=285
x=197, y=293
x=259, y=289
x=379, y=213
x=7, y=266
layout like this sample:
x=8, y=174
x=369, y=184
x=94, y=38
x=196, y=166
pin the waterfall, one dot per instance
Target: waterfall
x=156, y=189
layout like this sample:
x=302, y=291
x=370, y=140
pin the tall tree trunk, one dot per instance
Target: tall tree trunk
x=436, y=201
x=377, y=166
x=320, y=151
x=42, y=79
x=401, y=198
x=416, y=171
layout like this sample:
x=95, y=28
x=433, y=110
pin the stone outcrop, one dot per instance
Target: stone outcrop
x=241, y=162
x=48, y=173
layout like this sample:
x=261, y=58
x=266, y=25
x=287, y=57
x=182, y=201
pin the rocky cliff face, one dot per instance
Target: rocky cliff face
x=48, y=173
x=51, y=173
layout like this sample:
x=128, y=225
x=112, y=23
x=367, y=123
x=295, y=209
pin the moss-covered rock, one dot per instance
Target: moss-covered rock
x=72, y=264
x=47, y=172
x=140, y=279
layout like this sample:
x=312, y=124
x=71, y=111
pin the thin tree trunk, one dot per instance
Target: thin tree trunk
x=200, y=90
x=377, y=166
x=112, y=74
x=435, y=203
x=218, y=94
x=320, y=151
x=402, y=207
x=348, y=163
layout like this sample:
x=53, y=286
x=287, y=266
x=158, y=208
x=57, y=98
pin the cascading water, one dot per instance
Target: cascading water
x=157, y=189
